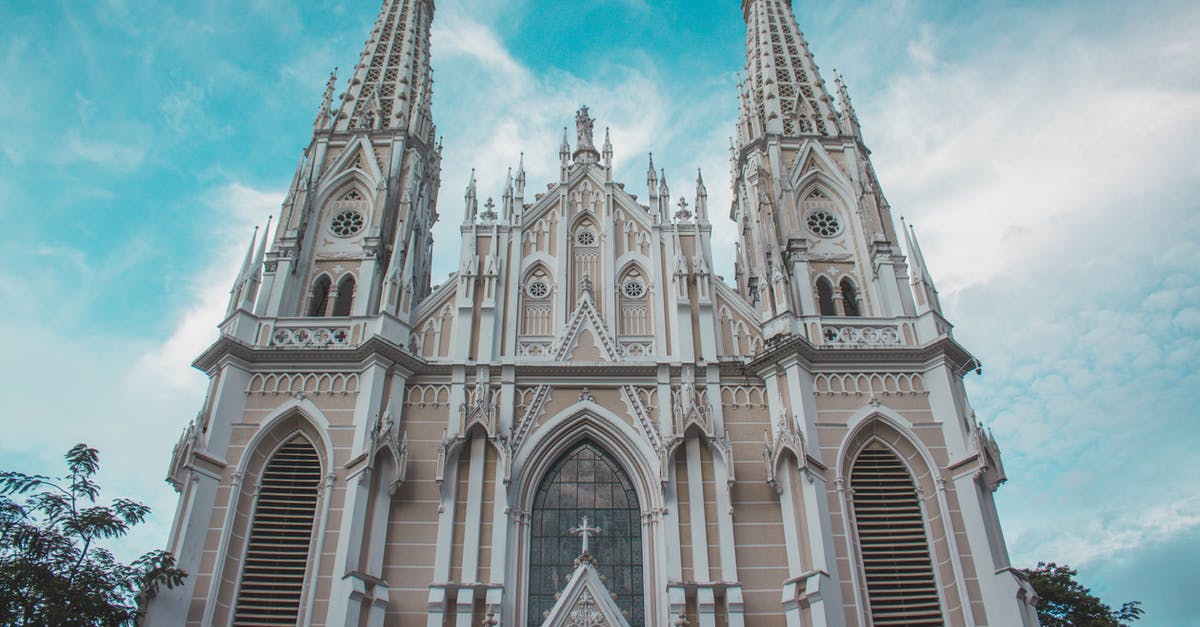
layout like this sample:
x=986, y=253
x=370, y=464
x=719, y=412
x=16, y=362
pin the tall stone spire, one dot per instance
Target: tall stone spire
x=392, y=83
x=366, y=188
x=785, y=92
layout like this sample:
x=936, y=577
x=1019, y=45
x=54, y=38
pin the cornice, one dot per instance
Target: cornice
x=373, y=350
x=814, y=358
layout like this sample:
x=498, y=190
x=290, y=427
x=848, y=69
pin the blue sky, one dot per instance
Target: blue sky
x=1045, y=152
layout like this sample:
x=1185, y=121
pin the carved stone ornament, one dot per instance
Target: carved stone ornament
x=181, y=457
x=787, y=440
x=585, y=602
x=480, y=412
x=387, y=439
x=991, y=469
x=584, y=125
x=693, y=413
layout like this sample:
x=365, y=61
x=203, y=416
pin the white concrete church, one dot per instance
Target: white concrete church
x=584, y=426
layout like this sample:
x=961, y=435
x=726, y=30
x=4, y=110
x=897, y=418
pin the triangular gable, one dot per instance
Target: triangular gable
x=358, y=155
x=585, y=601
x=813, y=160
x=584, y=322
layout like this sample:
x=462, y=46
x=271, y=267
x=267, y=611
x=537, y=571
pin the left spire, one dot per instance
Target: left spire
x=391, y=85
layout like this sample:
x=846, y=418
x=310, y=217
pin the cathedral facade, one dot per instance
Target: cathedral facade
x=584, y=426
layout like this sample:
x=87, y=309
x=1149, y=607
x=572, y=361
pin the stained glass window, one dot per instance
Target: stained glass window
x=586, y=481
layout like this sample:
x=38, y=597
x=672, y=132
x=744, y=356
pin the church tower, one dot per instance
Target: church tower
x=584, y=425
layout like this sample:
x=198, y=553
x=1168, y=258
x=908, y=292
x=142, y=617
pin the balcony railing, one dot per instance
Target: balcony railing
x=864, y=333
x=313, y=333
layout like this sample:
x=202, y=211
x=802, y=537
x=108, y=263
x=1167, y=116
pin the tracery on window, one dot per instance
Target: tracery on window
x=585, y=237
x=586, y=481
x=347, y=223
x=537, y=288
x=823, y=223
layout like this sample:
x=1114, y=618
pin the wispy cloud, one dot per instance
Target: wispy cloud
x=1044, y=179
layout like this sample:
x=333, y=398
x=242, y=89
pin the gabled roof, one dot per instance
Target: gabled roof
x=585, y=601
x=585, y=316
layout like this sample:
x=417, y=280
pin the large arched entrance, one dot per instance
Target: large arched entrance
x=586, y=481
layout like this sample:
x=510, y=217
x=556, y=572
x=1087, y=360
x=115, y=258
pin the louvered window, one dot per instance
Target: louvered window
x=277, y=555
x=895, y=551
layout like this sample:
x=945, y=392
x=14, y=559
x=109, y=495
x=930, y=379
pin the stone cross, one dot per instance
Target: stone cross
x=585, y=532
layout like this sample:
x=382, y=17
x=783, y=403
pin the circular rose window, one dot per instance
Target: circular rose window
x=537, y=288
x=823, y=223
x=586, y=237
x=346, y=223
x=634, y=288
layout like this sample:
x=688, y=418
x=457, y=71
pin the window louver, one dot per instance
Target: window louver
x=891, y=535
x=277, y=554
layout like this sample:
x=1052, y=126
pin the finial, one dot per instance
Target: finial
x=684, y=213
x=489, y=211
x=472, y=202
x=326, y=101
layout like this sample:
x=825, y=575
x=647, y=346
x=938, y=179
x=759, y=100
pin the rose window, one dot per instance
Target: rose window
x=537, y=289
x=634, y=288
x=347, y=223
x=586, y=237
x=823, y=223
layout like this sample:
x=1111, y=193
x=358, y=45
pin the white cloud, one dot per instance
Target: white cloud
x=239, y=208
x=128, y=396
x=1046, y=183
x=125, y=155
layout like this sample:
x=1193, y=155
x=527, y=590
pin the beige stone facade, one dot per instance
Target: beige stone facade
x=376, y=450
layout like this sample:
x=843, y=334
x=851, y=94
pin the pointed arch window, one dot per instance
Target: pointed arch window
x=825, y=297
x=849, y=298
x=586, y=481
x=319, y=300
x=273, y=574
x=345, y=297
x=901, y=588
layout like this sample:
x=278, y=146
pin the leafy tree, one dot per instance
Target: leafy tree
x=1064, y=602
x=52, y=571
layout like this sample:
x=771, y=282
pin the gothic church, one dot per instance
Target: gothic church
x=584, y=426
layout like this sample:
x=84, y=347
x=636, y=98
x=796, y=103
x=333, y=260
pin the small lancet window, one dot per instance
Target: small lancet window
x=319, y=300
x=849, y=298
x=345, y=297
x=825, y=297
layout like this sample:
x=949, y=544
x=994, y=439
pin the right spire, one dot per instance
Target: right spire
x=783, y=92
